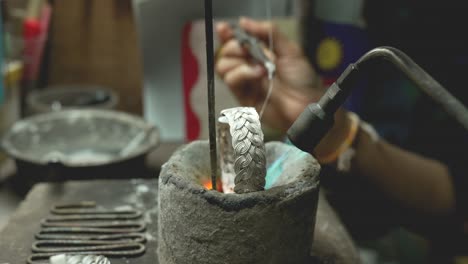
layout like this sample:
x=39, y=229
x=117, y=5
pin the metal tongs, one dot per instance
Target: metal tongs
x=254, y=46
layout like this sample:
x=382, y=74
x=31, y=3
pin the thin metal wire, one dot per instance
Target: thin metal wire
x=97, y=224
x=91, y=230
x=83, y=246
x=87, y=216
x=85, y=229
x=132, y=237
x=270, y=43
x=137, y=251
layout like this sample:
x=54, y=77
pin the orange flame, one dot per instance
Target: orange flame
x=208, y=185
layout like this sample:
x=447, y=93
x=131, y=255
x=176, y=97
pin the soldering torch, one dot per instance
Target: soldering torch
x=318, y=118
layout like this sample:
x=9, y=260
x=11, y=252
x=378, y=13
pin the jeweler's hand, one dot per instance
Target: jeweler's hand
x=295, y=84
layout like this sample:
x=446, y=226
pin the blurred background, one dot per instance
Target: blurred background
x=147, y=58
x=110, y=54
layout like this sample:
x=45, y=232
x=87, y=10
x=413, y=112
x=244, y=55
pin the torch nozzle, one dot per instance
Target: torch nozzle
x=318, y=118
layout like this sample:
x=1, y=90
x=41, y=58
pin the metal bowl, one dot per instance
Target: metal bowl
x=80, y=144
x=71, y=97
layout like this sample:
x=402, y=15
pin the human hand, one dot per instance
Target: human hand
x=295, y=84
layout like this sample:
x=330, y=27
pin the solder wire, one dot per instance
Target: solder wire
x=270, y=76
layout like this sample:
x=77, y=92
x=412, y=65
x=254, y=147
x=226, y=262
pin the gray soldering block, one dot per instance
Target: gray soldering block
x=197, y=225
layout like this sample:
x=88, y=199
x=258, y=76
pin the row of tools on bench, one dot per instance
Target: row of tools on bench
x=84, y=233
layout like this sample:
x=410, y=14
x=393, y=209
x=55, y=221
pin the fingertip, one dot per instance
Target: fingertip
x=258, y=70
x=220, y=26
x=242, y=75
x=219, y=69
x=244, y=21
x=224, y=31
x=232, y=48
x=260, y=29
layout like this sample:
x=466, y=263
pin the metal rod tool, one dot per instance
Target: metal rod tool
x=211, y=86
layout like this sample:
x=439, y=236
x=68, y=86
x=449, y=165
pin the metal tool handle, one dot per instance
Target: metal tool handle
x=254, y=47
x=252, y=44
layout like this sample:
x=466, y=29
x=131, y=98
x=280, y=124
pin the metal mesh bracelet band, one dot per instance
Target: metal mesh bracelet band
x=243, y=159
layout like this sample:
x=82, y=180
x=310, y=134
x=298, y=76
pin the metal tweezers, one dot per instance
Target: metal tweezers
x=254, y=46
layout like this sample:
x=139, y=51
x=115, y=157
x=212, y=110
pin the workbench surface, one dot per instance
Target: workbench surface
x=17, y=237
x=331, y=244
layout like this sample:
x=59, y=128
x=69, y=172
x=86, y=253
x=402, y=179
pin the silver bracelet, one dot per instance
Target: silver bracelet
x=243, y=159
x=78, y=259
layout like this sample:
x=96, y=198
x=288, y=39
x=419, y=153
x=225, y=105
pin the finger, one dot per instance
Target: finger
x=226, y=64
x=232, y=49
x=242, y=75
x=269, y=54
x=263, y=30
x=260, y=29
x=224, y=31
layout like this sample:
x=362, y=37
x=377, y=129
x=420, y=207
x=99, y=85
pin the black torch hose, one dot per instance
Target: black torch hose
x=421, y=78
x=318, y=118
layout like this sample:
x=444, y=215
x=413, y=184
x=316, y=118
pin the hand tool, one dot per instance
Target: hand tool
x=255, y=49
